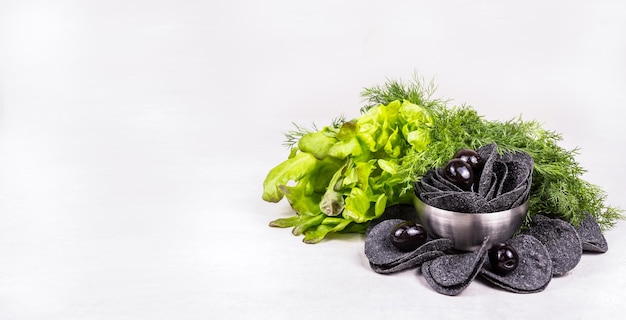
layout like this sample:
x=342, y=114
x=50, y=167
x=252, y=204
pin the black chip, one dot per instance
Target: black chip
x=488, y=178
x=591, y=236
x=533, y=273
x=383, y=255
x=413, y=262
x=524, y=196
x=506, y=200
x=440, y=181
x=500, y=171
x=490, y=186
x=561, y=240
x=520, y=169
x=427, y=184
x=467, y=201
x=451, y=274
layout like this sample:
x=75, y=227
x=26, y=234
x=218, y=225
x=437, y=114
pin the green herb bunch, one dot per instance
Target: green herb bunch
x=342, y=176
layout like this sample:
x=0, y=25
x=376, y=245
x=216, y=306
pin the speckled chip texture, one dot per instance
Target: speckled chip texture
x=451, y=274
x=591, y=236
x=384, y=257
x=504, y=183
x=413, y=262
x=534, y=272
x=560, y=239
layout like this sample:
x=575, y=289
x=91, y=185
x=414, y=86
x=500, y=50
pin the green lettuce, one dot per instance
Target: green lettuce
x=341, y=177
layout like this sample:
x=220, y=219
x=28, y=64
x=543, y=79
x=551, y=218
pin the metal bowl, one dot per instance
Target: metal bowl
x=468, y=230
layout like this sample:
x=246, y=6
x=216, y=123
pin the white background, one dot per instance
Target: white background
x=135, y=137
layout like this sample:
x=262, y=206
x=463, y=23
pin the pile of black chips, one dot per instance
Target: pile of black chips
x=549, y=248
x=503, y=183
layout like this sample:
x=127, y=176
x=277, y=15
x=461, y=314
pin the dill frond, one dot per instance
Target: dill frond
x=417, y=91
x=293, y=136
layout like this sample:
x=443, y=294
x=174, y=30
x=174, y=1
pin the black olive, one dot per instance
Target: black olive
x=408, y=236
x=503, y=258
x=460, y=173
x=472, y=157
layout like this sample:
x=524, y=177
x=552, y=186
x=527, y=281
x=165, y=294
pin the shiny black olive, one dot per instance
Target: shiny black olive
x=472, y=157
x=503, y=258
x=408, y=236
x=460, y=173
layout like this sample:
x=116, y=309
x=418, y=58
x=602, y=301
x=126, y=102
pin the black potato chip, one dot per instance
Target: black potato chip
x=492, y=186
x=382, y=254
x=427, y=184
x=434, y=181
x=440, y=181
x=500, y=171
x=519, y=171
x=560, y=239
x=451, y=274
x=534, y=270
x=488, y=178
x=591, y=236
x=523, y=197
x=412, y=262
x=466, y=201
x=509, y=199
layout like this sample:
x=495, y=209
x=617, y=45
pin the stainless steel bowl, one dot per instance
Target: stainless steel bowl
x=468, y=230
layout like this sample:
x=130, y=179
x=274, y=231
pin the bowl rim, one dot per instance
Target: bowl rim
x=526, y=203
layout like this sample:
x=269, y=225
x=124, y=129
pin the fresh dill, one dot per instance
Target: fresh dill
x=417, y=91
x=293, y=136
x=557, y=188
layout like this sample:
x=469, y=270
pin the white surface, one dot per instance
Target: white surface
x=135, y=136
